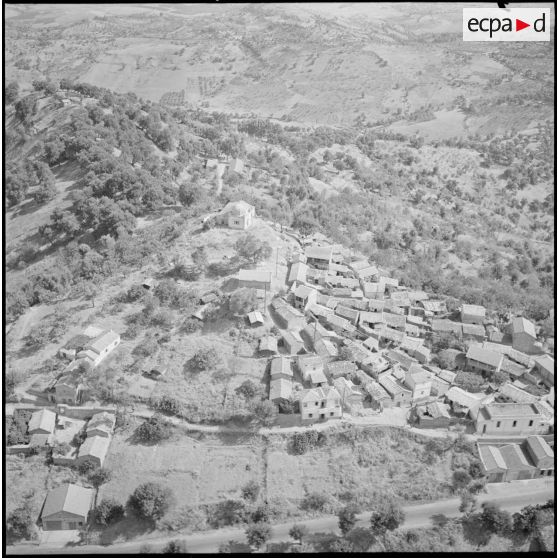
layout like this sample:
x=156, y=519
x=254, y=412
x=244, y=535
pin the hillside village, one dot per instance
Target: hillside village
x=219, y=316
x=344, y=342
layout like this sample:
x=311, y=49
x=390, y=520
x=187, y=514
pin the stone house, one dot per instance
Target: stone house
x=66, y=508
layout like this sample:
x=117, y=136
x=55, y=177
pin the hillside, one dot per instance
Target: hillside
x=333, y=65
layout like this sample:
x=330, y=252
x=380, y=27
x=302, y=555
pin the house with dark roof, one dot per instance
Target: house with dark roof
x=66, y=508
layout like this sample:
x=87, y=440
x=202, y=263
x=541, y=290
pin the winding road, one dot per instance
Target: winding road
x=510, y=496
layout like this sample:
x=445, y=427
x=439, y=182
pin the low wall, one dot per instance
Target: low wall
x=24, y=449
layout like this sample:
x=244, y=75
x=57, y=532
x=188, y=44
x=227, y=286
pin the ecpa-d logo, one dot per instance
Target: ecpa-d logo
x=514, y=24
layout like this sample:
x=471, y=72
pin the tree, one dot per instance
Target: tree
x=248, y=389
x=461, y=479
x=387, y=516
x=251, y=248
x=258, y=534
x=314, y=501
x=347, y=518
x=11, y=91
x=468, y=503
x=153, y=430
x=228, y=512
x=205, y=359
x=199, y=257
x=26, y=107
x=99, y=476
x=298, y=532
x=151, y=500
x=342, y=546
x=189, y=194
x=251, y=490
x=176, y=546
x=525, y=521
x=21, y=523
x=494, y=519
x=109, y=511
x=265, y=412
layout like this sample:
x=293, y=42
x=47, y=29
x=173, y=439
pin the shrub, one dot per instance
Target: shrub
x=298, y=532
x=177, y=546
x=151, y=500
x=258, y=534
x=20, y=522
x=460, y=479
x=168, y=404
x=314, y=501
x=98, y=477
x=248, y=389
x=108, y=512
x=205, y=359
x=154, y=429
x=387, y=516
x=228, y=512
x=250, y=491
x=347, y=518
x=190, y=325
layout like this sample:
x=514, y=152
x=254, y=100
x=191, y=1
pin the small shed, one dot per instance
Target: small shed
x=255, y=318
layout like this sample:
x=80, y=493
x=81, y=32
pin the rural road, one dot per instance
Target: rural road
x=510, y=496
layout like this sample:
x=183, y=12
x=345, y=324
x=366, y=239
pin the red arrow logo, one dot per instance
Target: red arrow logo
x=519, y=25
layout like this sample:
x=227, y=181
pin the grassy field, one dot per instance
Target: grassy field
x=197, y=473
x=360, y=466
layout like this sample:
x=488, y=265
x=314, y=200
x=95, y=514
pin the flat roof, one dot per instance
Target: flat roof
x=474, y=310
x=501, y=410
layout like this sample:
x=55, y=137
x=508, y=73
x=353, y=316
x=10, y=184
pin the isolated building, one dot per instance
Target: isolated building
x=100, y=347
x=66, y=507
x=237, y=215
